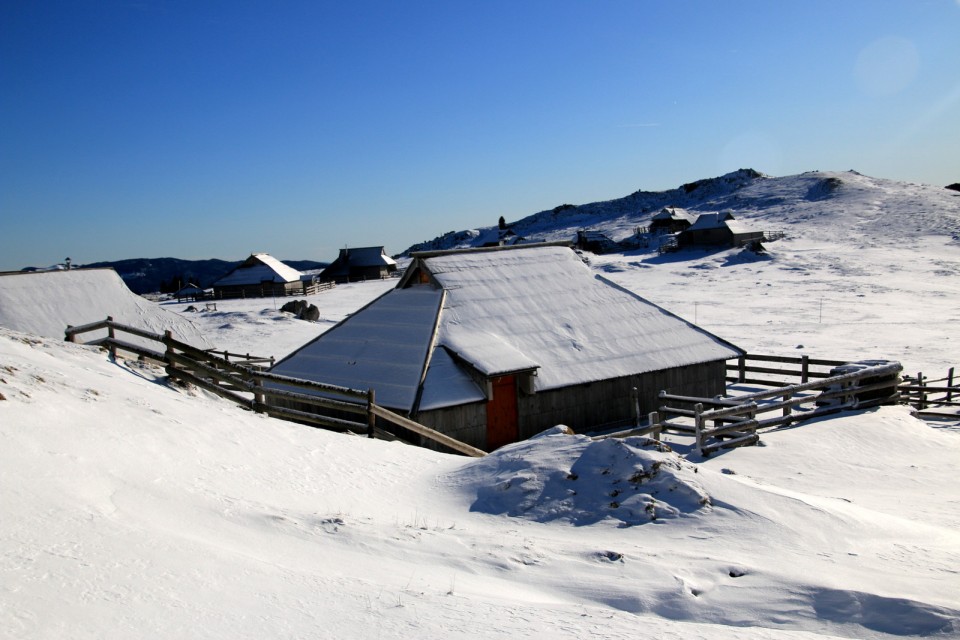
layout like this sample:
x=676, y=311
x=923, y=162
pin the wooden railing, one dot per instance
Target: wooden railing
x=244, y=359
x=925, y=393
x=245, y=384
x=725, y=422
x=801, y=368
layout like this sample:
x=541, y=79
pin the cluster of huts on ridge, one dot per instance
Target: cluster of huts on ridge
x=262, y=275
x=675, y=228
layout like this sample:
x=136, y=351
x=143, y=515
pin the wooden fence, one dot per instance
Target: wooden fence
x=244, y=383
x=925, y=393
x=269, y=289
x=799, y=368
x=725, y=422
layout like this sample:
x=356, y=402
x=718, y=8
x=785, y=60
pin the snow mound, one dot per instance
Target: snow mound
x=44, y=303
x=561, y=476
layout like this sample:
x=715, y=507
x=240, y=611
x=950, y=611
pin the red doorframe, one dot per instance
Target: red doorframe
x=503, y=413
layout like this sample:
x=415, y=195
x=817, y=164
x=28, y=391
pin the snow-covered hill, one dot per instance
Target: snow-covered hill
x=818, y=205
x=135, y=509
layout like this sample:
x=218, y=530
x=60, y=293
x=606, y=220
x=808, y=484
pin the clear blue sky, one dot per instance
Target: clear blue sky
x=212, y=129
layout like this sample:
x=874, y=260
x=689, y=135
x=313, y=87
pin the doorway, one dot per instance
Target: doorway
x=502, y=413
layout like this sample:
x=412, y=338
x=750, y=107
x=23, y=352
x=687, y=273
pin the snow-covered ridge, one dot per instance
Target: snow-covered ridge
x=875, y=209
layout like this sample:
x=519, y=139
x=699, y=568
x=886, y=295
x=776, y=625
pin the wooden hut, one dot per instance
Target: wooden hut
x=495, y=345
x=595, y=242
x=260, y=275
x=190, y=292
x=718, y=229
x=671, y=220
x=359, y=263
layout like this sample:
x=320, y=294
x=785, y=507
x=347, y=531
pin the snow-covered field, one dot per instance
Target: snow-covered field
x=130, y=508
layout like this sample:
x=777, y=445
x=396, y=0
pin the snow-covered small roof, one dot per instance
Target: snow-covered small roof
x=367, y=257
x=673, y=213
x=259, y=267
x=738, y=228
x=711, y=221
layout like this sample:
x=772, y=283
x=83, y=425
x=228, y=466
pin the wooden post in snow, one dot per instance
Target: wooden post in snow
x=371, y=418
x=950, y=385
x=804, y=369
x=921, y=396
x=698, y=425
x=167, y=340
x=654, y=419
x=258, y=394
x=742, y=369
x=111, y=334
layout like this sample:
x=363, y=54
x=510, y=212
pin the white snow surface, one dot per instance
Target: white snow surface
x=44, y=303
x=131, y=508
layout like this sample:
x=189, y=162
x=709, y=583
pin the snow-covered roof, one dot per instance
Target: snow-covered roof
x=259, y=267
x=366, y=257
x=738, y=228
x=711, y=221
x=543, y=307
x=673, y=213
x=524, y=309
x=45, y=302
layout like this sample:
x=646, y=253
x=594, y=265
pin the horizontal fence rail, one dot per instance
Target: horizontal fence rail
x=925, y=393
x=802, y=367
x=242, y=381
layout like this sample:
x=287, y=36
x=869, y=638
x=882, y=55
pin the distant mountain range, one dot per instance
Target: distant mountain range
x=831, y=202
x=149, y=275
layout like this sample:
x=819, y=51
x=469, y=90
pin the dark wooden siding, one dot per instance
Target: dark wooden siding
x=583, y=407
x=264, y=290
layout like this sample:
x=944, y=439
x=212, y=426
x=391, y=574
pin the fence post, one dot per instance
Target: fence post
x=950, y=384
x=258, y=395
x=371, y=418
x=804, y=369
x=167, y=337
x=70, y=337
x=787, y=410
x=654, y=419
x=111, y=334
x=698, y=423
x=921, y=395
x=742, y=369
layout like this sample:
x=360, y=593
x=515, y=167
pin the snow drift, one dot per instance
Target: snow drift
x=44, y=303
x=563, y=476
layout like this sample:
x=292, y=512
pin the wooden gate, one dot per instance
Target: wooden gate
x=502, y=413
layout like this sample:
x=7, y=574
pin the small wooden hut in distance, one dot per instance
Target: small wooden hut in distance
x=491, y=346
x=671, y=220
x=260, y=275
x=359, y=263
x=718, y=229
